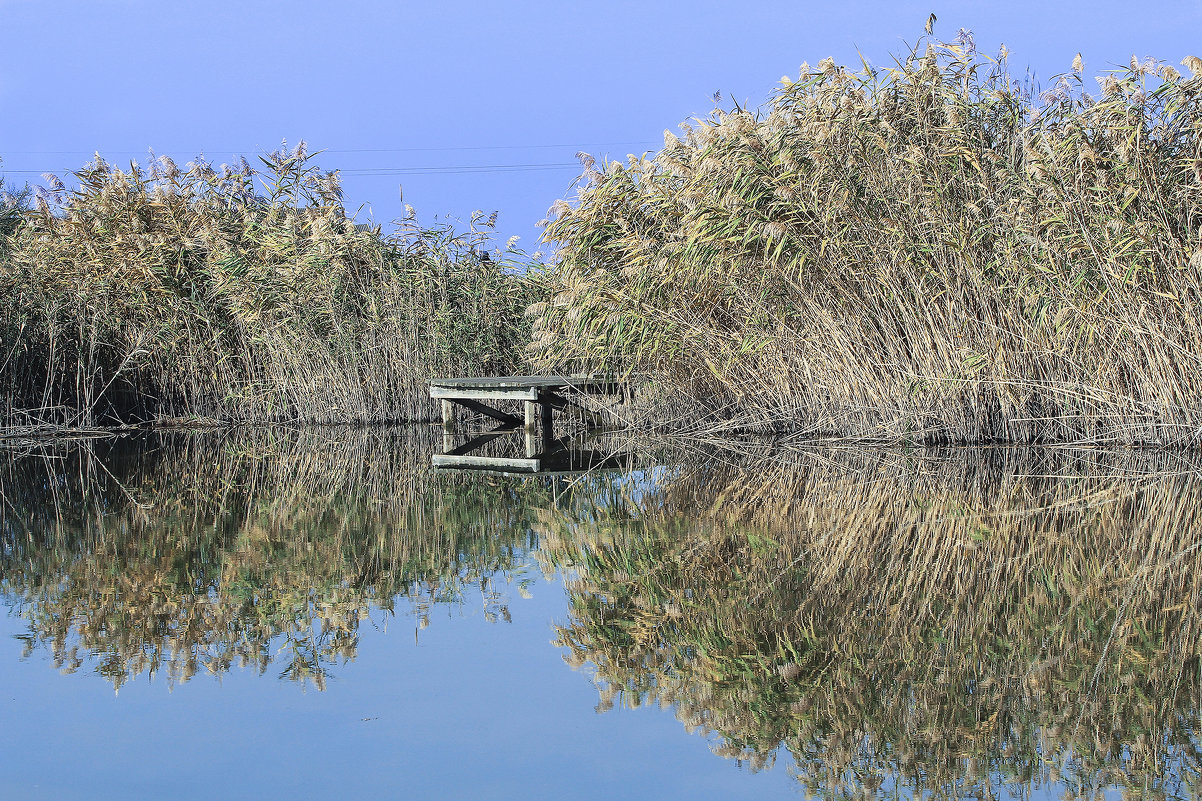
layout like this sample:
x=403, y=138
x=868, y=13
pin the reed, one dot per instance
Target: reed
x=948, y=624
x=14, y=204
x=932, y=251
x=235, y=294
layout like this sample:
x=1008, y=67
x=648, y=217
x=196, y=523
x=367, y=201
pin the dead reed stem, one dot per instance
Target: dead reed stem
x=928, y=252
x=240, y=295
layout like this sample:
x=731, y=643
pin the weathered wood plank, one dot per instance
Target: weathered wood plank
x=508, y=381
x=604, y=384
x=487, y=463
x=530, y=390
x=459, y=393
x=505, y=418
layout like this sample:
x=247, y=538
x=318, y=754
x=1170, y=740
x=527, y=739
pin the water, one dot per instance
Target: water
x=321, y=614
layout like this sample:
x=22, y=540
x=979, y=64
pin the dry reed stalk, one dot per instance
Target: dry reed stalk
x=928, y=252
x=240, y=295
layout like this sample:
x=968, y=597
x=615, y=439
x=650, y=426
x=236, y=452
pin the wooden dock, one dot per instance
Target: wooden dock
x=540, y=396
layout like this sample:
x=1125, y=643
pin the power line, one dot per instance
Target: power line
x=435, y=170
x=485, y=147
x=461, y=169
x=144, y=151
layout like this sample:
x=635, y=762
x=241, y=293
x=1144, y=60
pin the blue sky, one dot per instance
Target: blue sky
x=470, y=105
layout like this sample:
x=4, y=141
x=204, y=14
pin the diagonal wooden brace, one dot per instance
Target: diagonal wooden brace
x=558, y=401
x=476, y=442
x=488, y=411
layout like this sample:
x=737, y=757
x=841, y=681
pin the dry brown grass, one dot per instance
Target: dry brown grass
x=926, y=252
x=240, y=295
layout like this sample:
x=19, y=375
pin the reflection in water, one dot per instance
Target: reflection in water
x=195, y=553
x=509, y=451
x=941, y=623
x=955, y=624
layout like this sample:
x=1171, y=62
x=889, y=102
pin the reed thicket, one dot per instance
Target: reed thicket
x=931, y=251
x=239, y=295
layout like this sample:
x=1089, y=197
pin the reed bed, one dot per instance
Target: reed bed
x=179, y=554
x=932, y=251
x=951, y=624
x=240, y=295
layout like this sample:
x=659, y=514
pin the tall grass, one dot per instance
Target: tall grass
x=14, y=204
x=240, y=295
x=948, y=624
x=929, y=251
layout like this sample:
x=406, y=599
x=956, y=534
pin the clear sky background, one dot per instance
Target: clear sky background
x=471, y=105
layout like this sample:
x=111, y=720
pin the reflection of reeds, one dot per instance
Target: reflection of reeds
x=943, y=621
x=197, y=552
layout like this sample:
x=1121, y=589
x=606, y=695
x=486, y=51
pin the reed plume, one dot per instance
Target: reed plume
x=160, y=291
x=931, y=252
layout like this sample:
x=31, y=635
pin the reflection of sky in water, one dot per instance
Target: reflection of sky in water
x=462, y=697
x=461, y=709
x=471, y=710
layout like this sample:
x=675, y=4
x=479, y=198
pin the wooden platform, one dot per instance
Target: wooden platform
x=505, y=383
x=539, y=395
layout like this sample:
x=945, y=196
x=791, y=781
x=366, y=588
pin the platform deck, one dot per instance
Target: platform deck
x=523, y=383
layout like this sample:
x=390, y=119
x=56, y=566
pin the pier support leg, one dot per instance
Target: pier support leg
x=529, y=406
x=448, y=416
x=544, y=413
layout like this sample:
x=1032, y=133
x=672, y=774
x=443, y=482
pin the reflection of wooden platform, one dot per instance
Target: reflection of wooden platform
x=537, y=393
x=563, y=456
x=564, y=462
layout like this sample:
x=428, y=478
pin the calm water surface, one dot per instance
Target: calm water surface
x=321, y=614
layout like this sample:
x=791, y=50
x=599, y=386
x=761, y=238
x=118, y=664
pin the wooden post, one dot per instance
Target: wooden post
x=448, y=415
x=544, y=409
x=529, y=414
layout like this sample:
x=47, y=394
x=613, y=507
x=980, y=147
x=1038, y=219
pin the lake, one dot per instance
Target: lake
x=317, y=613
